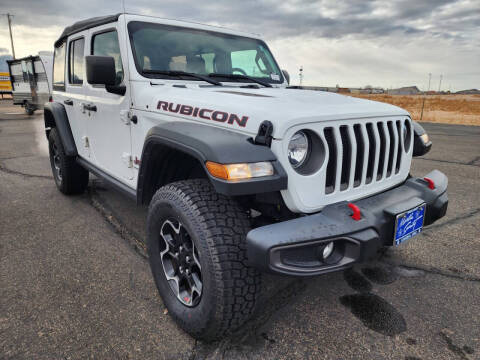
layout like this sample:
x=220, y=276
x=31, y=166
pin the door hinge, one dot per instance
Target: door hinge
x=127, y=159
x=86, y=143
x=125, y=116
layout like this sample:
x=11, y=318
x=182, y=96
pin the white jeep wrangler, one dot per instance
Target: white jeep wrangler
x=242, y=174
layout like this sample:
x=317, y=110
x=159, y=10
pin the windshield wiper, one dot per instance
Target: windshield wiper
x=240, y=77
x=182, y=73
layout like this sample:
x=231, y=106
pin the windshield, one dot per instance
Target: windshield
x=162, y=48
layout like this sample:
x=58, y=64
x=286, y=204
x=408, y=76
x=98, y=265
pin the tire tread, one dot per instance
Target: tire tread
x=226, y=225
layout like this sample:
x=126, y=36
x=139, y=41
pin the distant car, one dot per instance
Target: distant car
x=31, y=79
x=242, y=174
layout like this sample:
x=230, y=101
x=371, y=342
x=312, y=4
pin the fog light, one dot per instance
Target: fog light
x=327, y=250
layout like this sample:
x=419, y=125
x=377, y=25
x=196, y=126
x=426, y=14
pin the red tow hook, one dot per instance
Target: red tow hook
x=431, y=184
x=357, y=215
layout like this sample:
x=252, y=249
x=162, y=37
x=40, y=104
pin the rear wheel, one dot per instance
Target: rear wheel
x=196, y=246
x=69, y=176
x=29, y=110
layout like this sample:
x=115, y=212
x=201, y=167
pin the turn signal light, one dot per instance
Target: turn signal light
x=425, y=138
x=239, y=171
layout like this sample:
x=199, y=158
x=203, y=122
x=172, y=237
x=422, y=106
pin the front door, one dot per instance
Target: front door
x=68, y=86
x=75, y=91
x=108, y=128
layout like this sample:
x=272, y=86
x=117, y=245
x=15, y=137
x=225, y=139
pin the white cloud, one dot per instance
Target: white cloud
x=29, y=40
x=351, y=43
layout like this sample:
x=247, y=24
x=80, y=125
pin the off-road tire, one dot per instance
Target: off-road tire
x=29, y=110
x=217, y=226
x=72, y=178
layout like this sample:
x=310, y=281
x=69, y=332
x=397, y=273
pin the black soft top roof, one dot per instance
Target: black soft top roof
x=84, y=25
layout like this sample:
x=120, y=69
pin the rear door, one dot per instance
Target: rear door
x=108, y=126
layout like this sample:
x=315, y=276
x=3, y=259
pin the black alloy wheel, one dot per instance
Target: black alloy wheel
x=181, y=263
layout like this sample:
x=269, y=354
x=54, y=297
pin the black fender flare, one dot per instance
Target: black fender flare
x=56, y=112
x=207, y=143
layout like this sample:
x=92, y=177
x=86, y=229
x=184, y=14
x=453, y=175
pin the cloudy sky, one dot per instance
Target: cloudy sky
x=387, y=43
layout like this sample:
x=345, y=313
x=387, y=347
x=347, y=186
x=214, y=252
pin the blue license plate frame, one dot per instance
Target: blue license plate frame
x=408, y=224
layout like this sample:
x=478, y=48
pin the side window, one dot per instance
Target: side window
x=106, y=44
x=59, y=68
x=75, y=61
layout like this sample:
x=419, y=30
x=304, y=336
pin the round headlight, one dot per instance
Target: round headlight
x=298, y=149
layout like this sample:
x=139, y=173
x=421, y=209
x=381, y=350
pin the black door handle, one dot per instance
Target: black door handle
x=68, y=102
x=90, y=107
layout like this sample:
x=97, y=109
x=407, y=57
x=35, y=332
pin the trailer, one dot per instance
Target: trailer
x=5, y=84
x=31, y=79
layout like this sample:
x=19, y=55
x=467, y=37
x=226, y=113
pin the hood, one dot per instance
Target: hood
x=244, y=109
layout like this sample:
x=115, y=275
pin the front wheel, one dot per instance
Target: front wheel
x=196, y=246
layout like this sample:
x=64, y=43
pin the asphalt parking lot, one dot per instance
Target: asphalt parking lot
x=74, y=281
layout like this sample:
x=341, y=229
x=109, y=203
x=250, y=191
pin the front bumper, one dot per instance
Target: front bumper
x=294, y=247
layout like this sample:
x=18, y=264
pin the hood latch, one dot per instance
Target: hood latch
x=264, y=135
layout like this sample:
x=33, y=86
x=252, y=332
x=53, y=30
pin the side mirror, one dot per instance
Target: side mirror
x=287, y=76
x=101, y=71
x=421, y=141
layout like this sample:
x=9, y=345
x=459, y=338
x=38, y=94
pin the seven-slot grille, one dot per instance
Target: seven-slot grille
x=364, y=153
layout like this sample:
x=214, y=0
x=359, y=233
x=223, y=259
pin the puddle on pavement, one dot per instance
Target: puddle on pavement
x=375, y=313
x=380, y=275
x=356, y=281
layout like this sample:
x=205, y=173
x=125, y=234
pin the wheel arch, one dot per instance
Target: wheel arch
x=162, y=164
x=55, y=116
x=177, y=151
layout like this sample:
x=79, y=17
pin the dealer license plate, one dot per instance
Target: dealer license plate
x=409, y=224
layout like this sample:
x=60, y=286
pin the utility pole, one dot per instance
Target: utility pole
x=440, y=84
x=423, y=103
x=9, y=18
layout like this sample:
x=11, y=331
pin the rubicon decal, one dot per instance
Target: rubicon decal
x=207, y=114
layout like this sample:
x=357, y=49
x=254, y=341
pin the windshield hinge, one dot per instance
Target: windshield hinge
x=264, y=135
